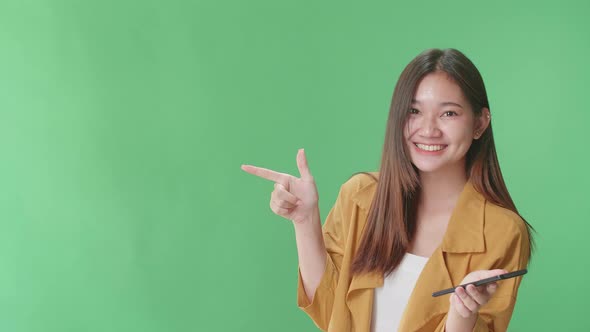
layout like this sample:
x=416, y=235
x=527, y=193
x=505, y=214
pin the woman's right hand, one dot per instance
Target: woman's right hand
x=293, y=198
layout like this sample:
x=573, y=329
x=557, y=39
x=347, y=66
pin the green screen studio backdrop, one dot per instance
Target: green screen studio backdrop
x=123, y=125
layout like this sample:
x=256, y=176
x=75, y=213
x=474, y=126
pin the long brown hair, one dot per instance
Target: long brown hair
x=392, y=217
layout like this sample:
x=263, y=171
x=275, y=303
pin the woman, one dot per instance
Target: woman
x=437, y=214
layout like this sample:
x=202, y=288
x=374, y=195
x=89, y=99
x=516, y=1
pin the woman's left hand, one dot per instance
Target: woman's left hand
x=466, y=302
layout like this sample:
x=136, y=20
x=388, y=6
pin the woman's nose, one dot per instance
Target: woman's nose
x=429, y=127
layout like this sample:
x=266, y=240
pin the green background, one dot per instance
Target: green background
x=123, y=125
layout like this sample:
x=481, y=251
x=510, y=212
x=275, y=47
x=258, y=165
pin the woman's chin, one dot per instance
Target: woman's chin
x=425, y=167
x=428, y=169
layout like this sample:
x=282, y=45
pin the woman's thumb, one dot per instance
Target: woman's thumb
x=302, y=165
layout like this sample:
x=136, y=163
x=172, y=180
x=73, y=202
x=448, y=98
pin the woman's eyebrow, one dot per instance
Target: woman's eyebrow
x=447, y=103
x=444, y=103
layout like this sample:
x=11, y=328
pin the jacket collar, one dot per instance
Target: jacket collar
x=465, y=229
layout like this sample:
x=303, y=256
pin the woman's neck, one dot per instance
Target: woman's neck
x=441, y=189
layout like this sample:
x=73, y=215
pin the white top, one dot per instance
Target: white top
x=391, y=299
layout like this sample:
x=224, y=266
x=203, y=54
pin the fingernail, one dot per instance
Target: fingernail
x=299, y=203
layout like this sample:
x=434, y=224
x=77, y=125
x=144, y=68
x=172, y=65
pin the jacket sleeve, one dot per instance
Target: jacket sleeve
x=320, y=309
x=495, y=315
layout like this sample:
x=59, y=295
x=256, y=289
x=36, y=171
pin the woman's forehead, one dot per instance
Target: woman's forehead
x=438, y=88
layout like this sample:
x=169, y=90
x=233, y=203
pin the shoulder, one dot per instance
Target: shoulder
x=360, y=188
x=357, y=191
x=359, y=182
x=504, y=219
x=353, y=203
x=505, y=226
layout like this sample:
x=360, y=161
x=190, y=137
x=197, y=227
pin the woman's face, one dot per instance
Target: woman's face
x=441, y=124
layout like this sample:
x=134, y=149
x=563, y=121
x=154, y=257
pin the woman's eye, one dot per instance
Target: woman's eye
x=449, y=113
x=413, y=111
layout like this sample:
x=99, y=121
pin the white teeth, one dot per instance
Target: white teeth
x=430, y=147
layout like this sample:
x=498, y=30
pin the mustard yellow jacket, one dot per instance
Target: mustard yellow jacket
x=480, y=236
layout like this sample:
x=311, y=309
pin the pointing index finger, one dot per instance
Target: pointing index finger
x=267, y=174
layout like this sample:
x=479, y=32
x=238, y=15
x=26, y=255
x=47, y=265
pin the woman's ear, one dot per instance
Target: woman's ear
x=482, y=122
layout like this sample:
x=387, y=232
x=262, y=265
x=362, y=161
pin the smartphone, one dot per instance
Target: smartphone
x=482, y=282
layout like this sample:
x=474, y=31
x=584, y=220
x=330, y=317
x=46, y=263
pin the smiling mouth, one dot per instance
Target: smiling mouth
x=426, y=147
